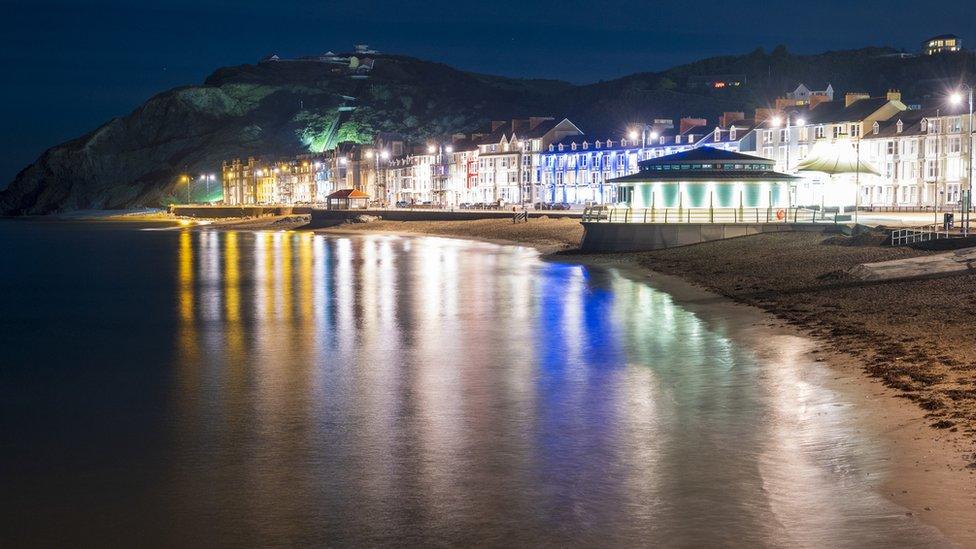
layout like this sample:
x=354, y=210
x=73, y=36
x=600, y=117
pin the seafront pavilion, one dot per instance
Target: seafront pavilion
x=705, y=177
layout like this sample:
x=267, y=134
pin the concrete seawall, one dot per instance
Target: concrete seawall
x=331, y=217
x=638, y=237
x=237, y=211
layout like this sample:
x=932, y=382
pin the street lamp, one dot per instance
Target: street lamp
x=775, y=122
x=956, y=99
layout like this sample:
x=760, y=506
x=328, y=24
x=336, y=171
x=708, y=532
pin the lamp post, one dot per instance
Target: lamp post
x=775, y=122
x=956, y=99
x=186, y=179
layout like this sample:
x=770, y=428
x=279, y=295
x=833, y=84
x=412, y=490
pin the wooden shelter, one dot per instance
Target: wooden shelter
x=347, y=199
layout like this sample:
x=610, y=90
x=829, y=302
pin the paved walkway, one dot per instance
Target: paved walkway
x=949, y=263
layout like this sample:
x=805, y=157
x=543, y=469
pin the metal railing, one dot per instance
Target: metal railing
x=923, y=233
x=608, y=214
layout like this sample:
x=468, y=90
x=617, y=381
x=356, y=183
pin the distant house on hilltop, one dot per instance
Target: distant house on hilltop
x=804, y=94
x=944, y=43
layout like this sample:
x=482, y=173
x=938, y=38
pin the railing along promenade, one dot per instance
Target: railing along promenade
x=606, y=214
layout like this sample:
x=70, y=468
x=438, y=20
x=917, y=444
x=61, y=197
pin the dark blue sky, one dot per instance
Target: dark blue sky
x=68, y=66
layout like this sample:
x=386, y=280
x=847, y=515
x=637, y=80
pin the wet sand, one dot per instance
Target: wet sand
x=929, y=476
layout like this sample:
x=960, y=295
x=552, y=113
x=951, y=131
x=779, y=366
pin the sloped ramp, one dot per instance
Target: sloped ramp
x=927, y=266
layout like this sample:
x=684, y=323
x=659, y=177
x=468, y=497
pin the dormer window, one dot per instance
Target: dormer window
x=560, y=147
x=876, y=128
x=551, y=148
x=718, y=134
x=732, y=133
x=573, y=146
x=677, y=139
x=623, y=142
x=585, y=145
x=661, y=140
x=610, y=143
x=691, y=138
x=925, y=125
x=899, y=126
x=597, y=144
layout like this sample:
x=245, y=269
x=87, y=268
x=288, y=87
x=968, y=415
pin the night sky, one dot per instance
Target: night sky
x=69, y=66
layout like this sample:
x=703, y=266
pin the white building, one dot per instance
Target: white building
x=923, y=157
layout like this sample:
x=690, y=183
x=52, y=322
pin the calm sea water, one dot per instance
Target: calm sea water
x=164, y=387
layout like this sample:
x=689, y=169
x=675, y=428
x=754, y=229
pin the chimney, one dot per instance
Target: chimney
x=688, y=123
x=818, y=99
x=765, y=113
x=536, y=120
x=851, y=97
x=893, y=95
x=729, y=117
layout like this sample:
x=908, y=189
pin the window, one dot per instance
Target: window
x=955, y=145
x=783, y=136
x=732, y=134
x=890, y=147
x=899, y=126
x=768, y=152
x=819, y=133
x=836, y=132
x=876, y=128
x=768, y=136
x=855, y=130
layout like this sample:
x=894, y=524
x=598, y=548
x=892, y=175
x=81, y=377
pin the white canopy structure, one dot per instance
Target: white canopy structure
x=835, y=158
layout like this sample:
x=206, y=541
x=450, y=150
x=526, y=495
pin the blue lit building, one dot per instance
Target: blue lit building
x=579, y=169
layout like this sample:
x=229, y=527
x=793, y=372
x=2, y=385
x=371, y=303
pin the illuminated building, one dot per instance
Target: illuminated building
x=510, y=158
x=922, y=156
x=578, y=169
x=705, y=177
x=944, y=43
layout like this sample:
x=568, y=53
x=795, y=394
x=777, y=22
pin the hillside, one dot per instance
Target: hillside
x=286, y=108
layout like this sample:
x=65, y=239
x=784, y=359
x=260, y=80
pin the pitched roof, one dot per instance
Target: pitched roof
x=705, y=154
x=349, y=194
x=830, y=112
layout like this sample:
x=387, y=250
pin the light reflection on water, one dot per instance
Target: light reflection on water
x=397, y=389
x=291, y=388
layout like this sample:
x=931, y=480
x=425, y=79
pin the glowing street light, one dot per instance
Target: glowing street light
x=385, y=155
x=632, y=135
x=956, y=99
x=448, y=149
x=431, y=149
